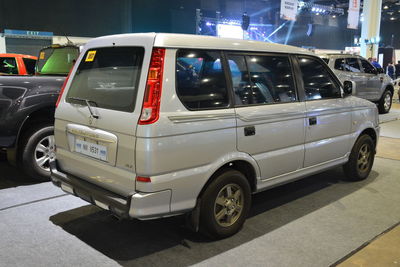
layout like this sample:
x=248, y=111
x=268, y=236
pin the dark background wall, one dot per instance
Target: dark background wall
x=91, y=18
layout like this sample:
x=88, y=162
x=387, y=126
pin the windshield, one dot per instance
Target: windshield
x=57, y=60
x=108, y=77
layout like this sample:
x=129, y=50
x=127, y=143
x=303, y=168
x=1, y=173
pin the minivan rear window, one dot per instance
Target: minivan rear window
x=108, y=78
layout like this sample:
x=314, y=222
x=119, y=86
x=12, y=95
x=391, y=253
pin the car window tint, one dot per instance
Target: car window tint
x=201, y=82
x=353, y=64
x=108, y=77
x=29, y=65
x=240, y=80
x=272, y=79
x=367, y=67
x=8, y=65
x=318, y=82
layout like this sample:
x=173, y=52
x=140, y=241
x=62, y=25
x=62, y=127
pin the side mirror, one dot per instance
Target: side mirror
x=380, y=70
x=349, y=88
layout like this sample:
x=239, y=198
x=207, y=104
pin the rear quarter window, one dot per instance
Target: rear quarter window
x=108, y=77
x=201, y=82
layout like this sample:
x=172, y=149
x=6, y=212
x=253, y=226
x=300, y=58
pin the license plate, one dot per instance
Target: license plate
x=91, y=149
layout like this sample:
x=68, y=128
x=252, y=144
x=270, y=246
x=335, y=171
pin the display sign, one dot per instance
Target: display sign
x=354, y=14
x=289, y=9
x=27, y=34
x=229, y=31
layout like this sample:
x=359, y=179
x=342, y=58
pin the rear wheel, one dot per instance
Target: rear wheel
x=361, y=159
x=385, y=103
x=38, y=148
x=225, y=204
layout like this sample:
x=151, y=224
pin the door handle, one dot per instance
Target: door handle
x=249, y=130
x=312, y=120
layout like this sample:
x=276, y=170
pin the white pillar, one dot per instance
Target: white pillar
x=2, y=44
x=370, y=27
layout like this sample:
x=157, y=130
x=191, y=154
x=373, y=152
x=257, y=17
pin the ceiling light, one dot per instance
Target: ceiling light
x=385, y=7
x=392, y=18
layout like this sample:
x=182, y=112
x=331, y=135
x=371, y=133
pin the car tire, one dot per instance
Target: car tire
x=36, y=151
x=385, y=103
x=225, y=204
x=361, y=159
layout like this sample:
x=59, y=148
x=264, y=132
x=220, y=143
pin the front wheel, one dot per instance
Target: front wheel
x=225, y=204
x=361, y=159
x=37, y=150
x=385, y=103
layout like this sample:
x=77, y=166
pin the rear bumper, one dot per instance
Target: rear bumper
x=138, y=205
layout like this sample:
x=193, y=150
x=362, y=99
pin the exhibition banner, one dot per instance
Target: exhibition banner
x=288, y=9
x=354, y=14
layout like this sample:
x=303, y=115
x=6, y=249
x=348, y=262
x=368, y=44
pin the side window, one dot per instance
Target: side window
x=272, y=79
x=240, y=80
x=29, y=65
x=8, y=65
x=318, y=82
x=201, y=82
x=353, y=64
x=340, y=64
x=368, y=68
x=268, y=79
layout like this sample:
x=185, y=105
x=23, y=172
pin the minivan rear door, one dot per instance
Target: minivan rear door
x=96, y=120
x=270, y=117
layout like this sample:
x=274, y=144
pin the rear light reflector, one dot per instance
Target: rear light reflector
x=143, y=179
x=63, y=88
x=152, y=95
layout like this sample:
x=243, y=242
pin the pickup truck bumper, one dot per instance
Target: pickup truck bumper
x=138, y=205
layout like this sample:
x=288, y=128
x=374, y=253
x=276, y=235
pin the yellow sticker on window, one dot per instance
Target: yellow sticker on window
x=41, y=56
x=90, y=56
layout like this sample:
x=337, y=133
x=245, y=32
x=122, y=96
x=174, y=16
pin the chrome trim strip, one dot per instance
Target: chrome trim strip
x=204, y=117
x=275, y=117
x=93, y=136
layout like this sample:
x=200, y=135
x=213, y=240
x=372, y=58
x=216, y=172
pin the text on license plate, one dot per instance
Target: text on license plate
x=91, y=149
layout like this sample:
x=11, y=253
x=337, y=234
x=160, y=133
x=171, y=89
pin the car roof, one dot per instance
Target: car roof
x=17, y=55
x=338, y=55
x=171, y=40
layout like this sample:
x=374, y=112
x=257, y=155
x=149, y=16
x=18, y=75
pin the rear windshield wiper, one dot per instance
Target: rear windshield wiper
x=88, y=105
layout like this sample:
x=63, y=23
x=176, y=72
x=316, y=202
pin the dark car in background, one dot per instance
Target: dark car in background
x=27, y=105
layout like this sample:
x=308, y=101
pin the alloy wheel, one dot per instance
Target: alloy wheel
x=364, y=156
x=44, y=152
x=228, y=205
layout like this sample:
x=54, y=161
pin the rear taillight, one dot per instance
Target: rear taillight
x=152, y=95
x=63, y=88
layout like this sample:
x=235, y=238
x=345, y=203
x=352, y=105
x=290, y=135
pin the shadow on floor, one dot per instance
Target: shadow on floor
x=11, y=176
x=166, y=242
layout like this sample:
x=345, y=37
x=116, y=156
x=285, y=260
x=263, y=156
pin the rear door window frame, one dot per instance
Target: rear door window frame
x=299, y=96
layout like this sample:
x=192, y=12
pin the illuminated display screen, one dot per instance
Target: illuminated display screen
x=230, y=31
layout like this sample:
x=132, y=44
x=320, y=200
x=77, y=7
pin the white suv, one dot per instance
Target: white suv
x=154, y=125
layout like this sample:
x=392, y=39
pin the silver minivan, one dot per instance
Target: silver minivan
x=154, y=125
x=371, y=83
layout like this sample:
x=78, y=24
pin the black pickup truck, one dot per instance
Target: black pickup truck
x=27, y=105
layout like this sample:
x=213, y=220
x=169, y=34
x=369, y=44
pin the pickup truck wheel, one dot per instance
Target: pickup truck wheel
x=385, y=103
x=225, y=205
x=361, y=159
x=37, y=150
